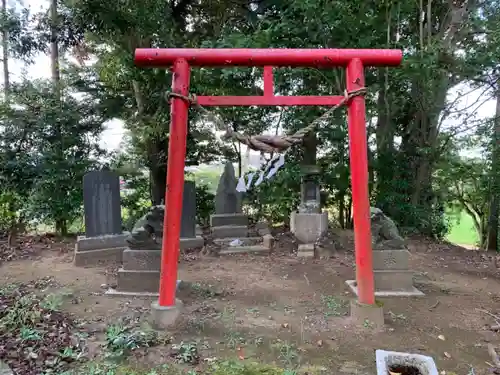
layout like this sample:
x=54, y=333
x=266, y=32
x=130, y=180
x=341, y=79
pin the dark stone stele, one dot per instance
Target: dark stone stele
x=227, y=199
x=101, y=202
x=188, y=220
x=147, y=233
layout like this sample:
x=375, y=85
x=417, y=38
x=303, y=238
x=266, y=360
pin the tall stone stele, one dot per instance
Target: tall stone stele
x=228, y=220
x=309, y=222
x=140, y=272
x=103, y=239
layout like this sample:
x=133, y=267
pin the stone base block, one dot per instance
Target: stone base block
x=230, y=231
x=394, y=281
x=367, y=316
x=163, y=317
x=306, y=251
x=197, y=242
x=98, y=257
x=391, y=259
x=141, y=260
x=138, y=281
x=385, y=361
x=414, y=292
x=268, y=241
x=102, y=242
x=308, y=227
x=219, y=220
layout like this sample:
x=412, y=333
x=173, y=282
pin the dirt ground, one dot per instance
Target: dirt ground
x=282, y=309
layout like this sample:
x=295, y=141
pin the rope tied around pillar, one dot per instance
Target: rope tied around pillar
x=267, y=143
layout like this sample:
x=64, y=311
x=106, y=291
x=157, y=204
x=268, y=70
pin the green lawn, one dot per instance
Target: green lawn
x=462, y=230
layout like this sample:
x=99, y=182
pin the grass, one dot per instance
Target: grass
x=462, y=231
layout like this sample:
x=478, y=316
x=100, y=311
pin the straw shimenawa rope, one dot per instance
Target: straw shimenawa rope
x=268, y=143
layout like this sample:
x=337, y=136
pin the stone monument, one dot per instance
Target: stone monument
x=103, y=239
x=309, y=223
x=390, y=258
x=140, y=272
x=230, y=226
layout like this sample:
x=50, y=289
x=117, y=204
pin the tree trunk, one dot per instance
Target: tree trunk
x=341, y=199
x=54, y=48
x=492, y=235
x=62, y=227
x=5, y=48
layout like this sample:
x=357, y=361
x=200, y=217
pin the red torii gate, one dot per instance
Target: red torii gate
x=182, y=59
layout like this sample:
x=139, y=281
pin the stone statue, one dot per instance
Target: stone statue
x=147, y=233
x=385, y=233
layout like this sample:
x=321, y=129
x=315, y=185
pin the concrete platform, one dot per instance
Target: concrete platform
x=97, y=257
x=102, y=242
x=413, y=292
x=219, y=220
x=257, y=249
x=230, y=231
x=93, y=251
x=245, y=241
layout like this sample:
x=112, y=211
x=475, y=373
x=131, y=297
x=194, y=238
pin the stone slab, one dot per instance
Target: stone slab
x=384, y=359
x=138, y=281
x=101, y=203
x=188, y=217
x=84, y=243
x=352, y=284
x=308, y=227
x=245, y=241
x=218, y=220
x=164, y=317
x=367, y=316
x=391, y=259
x=397, y=281
x=257, y=249
x=230, y=231
x=98, y=257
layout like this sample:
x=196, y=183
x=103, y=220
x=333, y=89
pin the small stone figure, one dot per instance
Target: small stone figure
x=385, y=233
x=147, y=233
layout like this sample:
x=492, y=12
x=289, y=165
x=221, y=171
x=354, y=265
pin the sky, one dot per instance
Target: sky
x=472, y=102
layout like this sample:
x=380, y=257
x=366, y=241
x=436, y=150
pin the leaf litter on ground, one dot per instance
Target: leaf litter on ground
x=35, y=337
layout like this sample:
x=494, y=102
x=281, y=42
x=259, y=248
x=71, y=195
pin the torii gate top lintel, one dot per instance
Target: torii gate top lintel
x=278, y=57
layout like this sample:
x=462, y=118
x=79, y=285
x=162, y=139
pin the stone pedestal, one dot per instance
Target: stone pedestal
x=140, y=272
x=308, y=227
x=91, y=251
x=391, y=274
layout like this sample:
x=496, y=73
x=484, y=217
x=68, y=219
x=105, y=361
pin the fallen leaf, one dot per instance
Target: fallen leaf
x=447, y=355
x=441, y=337
x=319, y=343
x=285, y=325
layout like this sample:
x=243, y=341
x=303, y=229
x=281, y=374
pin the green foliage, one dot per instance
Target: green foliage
x=274, y=199
x=205, y=205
